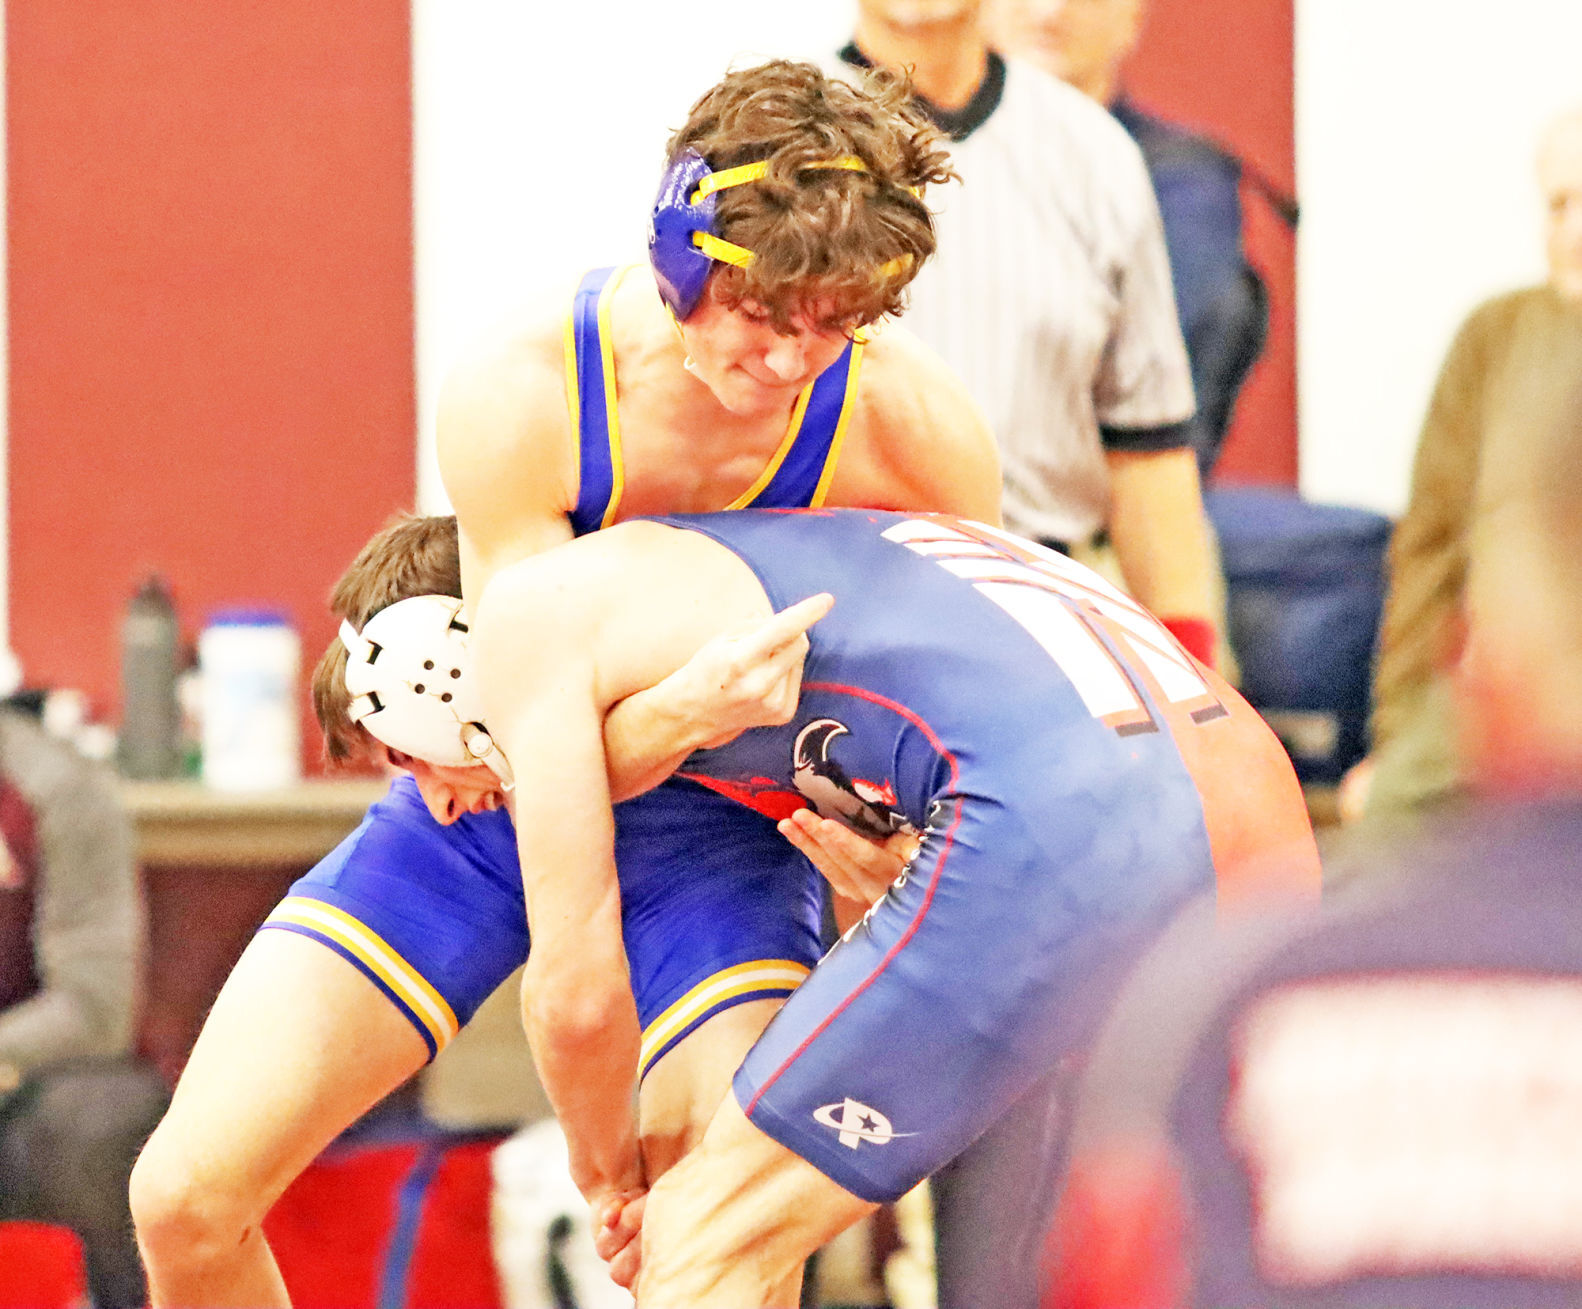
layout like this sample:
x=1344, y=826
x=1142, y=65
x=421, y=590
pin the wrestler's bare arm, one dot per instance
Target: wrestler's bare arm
x=558, y=639
x=533, y=652
x=506, y=453
x=748, y=677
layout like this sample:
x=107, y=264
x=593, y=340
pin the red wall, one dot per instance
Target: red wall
x=1225, y=67
x=211, y=314
x=211, y=317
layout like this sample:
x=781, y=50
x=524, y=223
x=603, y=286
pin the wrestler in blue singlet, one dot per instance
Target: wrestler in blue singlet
x=1067, y=761
x=718, y=907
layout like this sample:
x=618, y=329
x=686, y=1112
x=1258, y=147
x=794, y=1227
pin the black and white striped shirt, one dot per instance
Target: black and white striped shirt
x=1050, y=296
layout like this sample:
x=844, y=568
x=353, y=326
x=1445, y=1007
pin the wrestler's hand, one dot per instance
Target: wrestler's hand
x=617, y=1235
x=750, y=677
x=856, y=867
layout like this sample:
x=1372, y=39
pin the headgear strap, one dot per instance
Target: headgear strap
x=682, y=243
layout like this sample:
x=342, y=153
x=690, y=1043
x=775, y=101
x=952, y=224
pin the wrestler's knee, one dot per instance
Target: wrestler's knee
x=705, y=1245
x=182, y=1211
x=736, y=1219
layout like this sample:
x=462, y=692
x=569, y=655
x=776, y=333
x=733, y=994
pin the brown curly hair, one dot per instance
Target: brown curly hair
x=836, y=244
x=412, y=555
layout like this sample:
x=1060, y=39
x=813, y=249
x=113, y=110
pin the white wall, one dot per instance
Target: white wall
x=1417, y=122
x=539, y=139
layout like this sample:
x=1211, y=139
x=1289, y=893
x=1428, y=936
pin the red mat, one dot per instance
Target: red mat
x=40, y=1267
x=338, y=1240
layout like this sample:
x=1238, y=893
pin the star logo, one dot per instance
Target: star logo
x=856, y=1123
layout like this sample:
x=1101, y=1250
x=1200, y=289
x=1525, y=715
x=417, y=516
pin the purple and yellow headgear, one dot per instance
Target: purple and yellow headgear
x=683, y=245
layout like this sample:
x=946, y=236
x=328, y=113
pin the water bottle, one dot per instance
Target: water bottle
x=248, y=662
x=149, y=741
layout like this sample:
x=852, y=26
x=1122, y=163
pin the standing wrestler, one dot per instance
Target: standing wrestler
x=1073, y=772
x=750, y=396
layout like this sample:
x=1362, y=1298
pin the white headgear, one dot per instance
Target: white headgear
x=412, y=687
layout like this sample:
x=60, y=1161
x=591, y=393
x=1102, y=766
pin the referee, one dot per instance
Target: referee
x=1050, y=296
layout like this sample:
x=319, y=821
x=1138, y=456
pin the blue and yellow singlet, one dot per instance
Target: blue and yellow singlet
x=797, y=475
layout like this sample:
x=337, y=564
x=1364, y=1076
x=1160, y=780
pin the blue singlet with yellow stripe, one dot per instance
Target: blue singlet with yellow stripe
x=717, y=907
x=797, y=475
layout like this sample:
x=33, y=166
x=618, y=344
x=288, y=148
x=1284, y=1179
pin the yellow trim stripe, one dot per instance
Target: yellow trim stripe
x=847, y=404
x=709, y=994
x=793, y=429
x=722, y=251
x=573, y=393
x=428, y=1004
x=728, y=252
x=612, y=421
x=727, y=178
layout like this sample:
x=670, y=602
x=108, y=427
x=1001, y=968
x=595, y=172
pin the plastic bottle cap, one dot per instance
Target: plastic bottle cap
x=248, y=617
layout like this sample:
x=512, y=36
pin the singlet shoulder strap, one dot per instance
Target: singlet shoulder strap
x=590, y=394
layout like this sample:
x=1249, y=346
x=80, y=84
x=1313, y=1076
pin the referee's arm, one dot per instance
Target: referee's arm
x=1157, y=524
x=1161, y=540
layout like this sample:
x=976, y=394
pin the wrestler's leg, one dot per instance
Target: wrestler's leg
x=676, y=1100
x=299, y=1044
x=730, y=1226
x=684, y=1089
x=993, y=1204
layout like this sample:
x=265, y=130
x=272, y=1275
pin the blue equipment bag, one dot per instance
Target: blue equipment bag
x=1305, y=589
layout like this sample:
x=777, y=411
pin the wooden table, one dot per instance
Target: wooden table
x=185, y=823
x=214, y=864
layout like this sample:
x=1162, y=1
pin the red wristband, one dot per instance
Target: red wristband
x=1197, y=635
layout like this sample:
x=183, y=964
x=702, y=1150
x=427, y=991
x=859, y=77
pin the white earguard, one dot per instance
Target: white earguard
x=412, y=687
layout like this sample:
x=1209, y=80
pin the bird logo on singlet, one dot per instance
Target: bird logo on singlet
x=867, y=807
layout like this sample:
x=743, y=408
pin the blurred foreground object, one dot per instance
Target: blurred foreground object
x=1377, y=1105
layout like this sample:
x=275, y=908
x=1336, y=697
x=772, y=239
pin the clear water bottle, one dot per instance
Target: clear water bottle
x=248, y=663
x=149, y=742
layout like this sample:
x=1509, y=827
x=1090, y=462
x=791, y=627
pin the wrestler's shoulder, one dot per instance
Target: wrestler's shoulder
x=522, y=349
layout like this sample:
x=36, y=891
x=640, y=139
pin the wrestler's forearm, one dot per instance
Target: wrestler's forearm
x=646, y=738
x=585, y=1050
x=747, y=676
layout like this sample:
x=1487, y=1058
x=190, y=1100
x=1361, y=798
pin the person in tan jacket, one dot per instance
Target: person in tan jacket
x=1510, y=373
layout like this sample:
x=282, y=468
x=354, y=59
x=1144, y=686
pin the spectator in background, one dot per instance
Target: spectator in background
x=1509, y=379
x=1377, y=1104
x=1220, y=298
x=1050, y=295
x=74, y=1108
